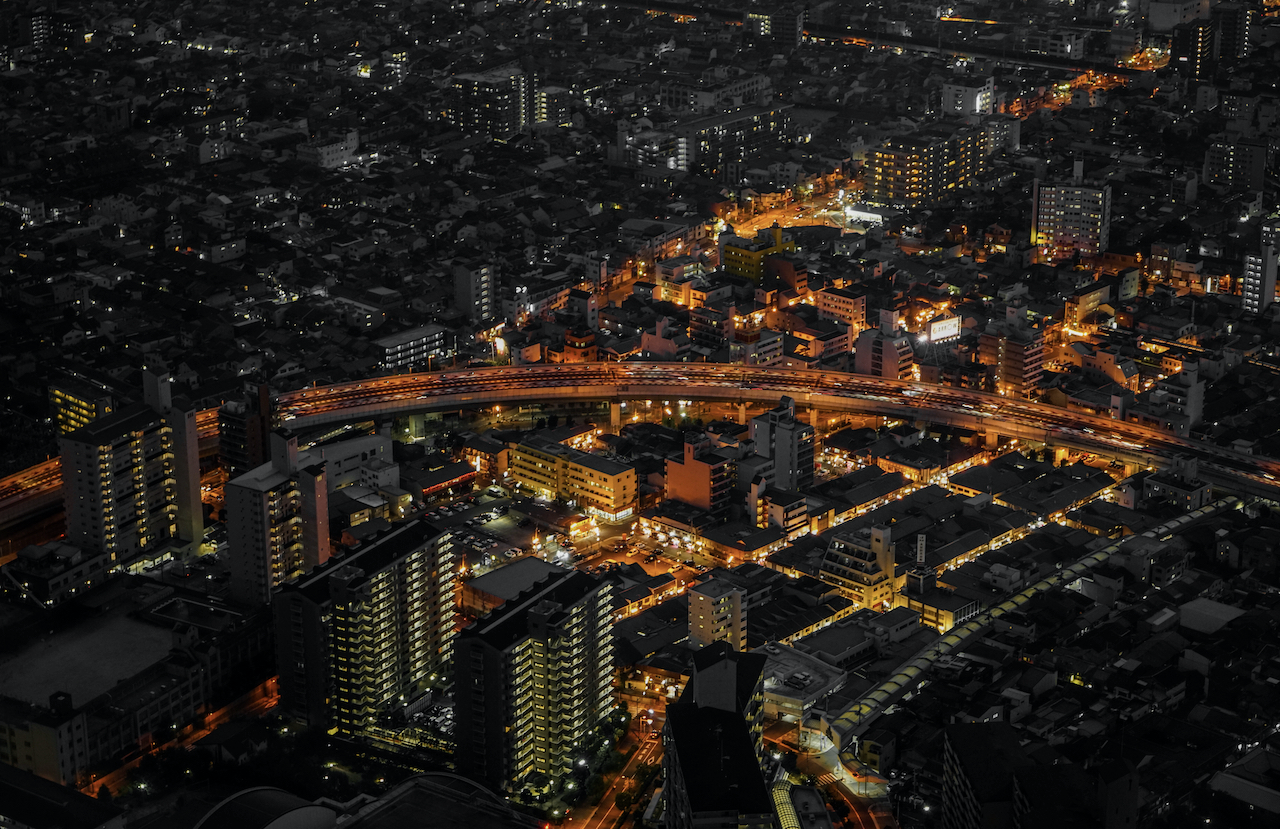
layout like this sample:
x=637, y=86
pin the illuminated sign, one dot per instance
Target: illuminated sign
x=946, y=328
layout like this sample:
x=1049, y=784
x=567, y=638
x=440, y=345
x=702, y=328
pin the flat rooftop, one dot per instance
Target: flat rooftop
x=85, y=661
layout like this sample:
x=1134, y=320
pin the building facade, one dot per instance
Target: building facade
x=369, y=632
x=130, y=480
x=1070, y=218
x=277, y=521
x=786, y=441
x=600, y=486
x=533, y=679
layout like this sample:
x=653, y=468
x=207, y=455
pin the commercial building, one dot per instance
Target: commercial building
x=1232, y=163
x=861, y=564
x=922, y=168
x=130, y=480
x=842, y=305
x=369, y=631
x=787, y=442
x=600, y=486
x=533, y=679
x=277, y=520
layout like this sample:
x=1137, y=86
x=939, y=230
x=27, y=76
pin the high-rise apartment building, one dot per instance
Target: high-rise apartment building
x=718, y=613
x=131, y=479
x=1194, y=49
x=1233, y=163
x=885, y=351
x=1014, y=352
x=1233, y=23
x=922, y=168
x=277, y=520
x=498, y=102
x=532, y=678
x=786, y=441
x=368, y=632
x=1070, y=217
x=244, y=427
x=475, y=289
x=712, y=745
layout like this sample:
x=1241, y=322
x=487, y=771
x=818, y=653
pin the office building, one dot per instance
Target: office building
x=704, y=476
x=712, y=745
x=1071, y=217
x=369, y=632
x=885, y=351
x=130, y=480
x=718, y=613
x=244, y=427
x=498, y=102
x=924, y=167
x=277, y=520
x=475, y=289
x=533, y=679
x=597, y=485
x=787, y=442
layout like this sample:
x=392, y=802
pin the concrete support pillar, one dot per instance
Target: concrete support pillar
x=815, y=417
x=742, y=414
x=615, y=415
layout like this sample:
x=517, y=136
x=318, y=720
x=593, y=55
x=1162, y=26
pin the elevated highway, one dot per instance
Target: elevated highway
x=26, y=493
x=825, y=391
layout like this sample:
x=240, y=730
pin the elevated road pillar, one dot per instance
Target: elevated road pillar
x=615, y=415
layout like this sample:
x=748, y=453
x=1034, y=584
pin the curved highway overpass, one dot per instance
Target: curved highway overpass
x=827, y=391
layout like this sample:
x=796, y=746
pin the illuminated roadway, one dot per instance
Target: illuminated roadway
x=825, y=391
x=39, y=486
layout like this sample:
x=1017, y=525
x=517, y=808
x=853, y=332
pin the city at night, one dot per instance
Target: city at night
x=530, y=414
